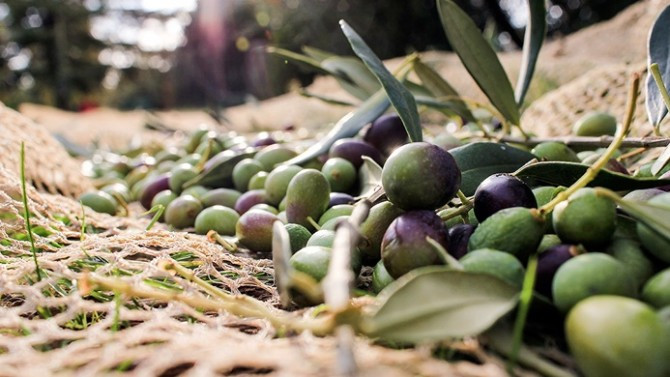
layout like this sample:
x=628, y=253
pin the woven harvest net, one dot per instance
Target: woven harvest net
x=147, y=321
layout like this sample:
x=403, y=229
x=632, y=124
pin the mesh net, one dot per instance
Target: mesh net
x=62, y=325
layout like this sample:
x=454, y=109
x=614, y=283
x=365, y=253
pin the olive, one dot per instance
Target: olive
x=136, y=175
x=554, y=151
x=516, y=230
x=595, y=124
x=353, y=151
x=218, y=218
x=263, y=140
x=196, y=191
x=548, y=262
x=196, y=138
x=298, y=236
x=154, y=186
x=656, y=291
x=373, y=228
x=618, y=336
x=210, y=145
x=629, y=252
x=117, y=190
x=586, y=218
x=273, y=155
x=254, y=230
x=333, y=222
x=221, y=196
x=243, y=171
x=336, y=211
x=99, y=201
x=257, y=182
x=457, y=239
x=420, y=176
x=265, y=207
x=171, y=154
x=339, y=198
x=386, y=133
x=405, y=245
x=380, y=277
x=313, y=261
x=652, y=241
x=165, y=166
x=191, y=159
x=548, y=240
x=307, y=195
x=277, y=182
x=501, y=191
x=163, y=198
x=181, y=174
x=182, y=211
x=340, y=173
x=588, y=275
x=493, y=262
x=248, y=200
x=322, y=237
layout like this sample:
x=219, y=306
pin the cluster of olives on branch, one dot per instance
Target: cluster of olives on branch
x=592, y=259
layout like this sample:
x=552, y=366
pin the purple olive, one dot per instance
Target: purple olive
x=386, y=133
x=263, y=141
x=157, y=184
x=405, y=245
x=249, y=199
x=665, y=175
x=353, y=150
x=254, y=230
x=502, y=191
x=458, y=237
x=337, y=198
x=548, y=263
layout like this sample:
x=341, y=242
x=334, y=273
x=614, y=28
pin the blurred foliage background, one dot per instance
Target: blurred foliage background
x=80, y=54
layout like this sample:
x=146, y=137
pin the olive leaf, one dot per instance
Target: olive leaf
x=348, y=126
x=435, y=303
x=559, y=173
x=478, y=161
x=653, y=215
x=400, y=97
x=370, y=177
x=304, y=60
x=478, y=58
x=316, y=53
x=355, y=70
x=218, y=170
x=440, y=88
x=658, y=51
x=535, y=31
x=661, y=161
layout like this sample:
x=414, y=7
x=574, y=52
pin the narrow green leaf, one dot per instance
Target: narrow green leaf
x=218, y=170
x=326, y=99
x=355, y=71
x=478, y=58
x=447, y=107
x=400, y=97
x=440, y=88
x=535, y=31
x=655, y=216
x=348, y=126
x=370, y=177
x=661, y=161
x=435, y=303
x=478, y=161
x=658, y=51
x=316, y=54
x=558, y=173
x=294, y=57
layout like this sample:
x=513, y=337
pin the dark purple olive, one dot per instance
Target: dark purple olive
x=405, y=246
x=502, y=191
x=337, y=198
x=548, y=263
x=353, y=150
x=386, y=133
x=157, y=184
x=616, y=166
x=254, y=230
x=457, y=239
x=248, y=200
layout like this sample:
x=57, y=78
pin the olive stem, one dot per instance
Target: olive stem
x=444, y=255
x=213, y=236
x=632, y=153
x=464, y=199
x=158, y=210
x=524, y=305
x=26, y=211
x=656, y=74
x=313, y=223
x=462, y=210
x=593, y=170
x=590, y=141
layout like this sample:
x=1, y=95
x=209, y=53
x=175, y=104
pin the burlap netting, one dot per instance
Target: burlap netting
x=54, y=328
x=601, y=89
x=48, y=166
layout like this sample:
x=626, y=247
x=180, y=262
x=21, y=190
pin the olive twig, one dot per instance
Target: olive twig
x=158, y=210
x=590, y=141
x=462, y=210
x=593, y=170
x=213, y=236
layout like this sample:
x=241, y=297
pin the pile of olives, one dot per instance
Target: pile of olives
x=609, y=275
